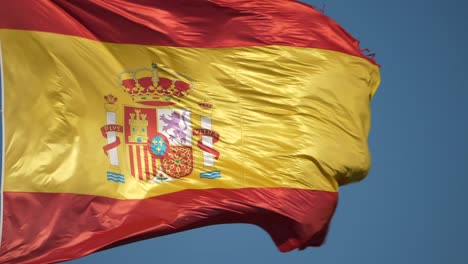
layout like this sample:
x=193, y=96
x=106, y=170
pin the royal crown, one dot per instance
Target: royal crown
x=155, y=86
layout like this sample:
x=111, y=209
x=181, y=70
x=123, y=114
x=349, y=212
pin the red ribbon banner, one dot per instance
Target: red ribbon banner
x=111, y=128
x=208, y=133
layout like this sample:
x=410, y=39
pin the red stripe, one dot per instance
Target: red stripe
x=147, y=172
x=183, y=23
x=132, y=166
x=139, y=166
x=43, y=228
x=155, y=166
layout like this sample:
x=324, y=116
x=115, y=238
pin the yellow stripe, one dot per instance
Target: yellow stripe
x=142, y=162
x=135, y=162
x=287, y=117
x=150, y=166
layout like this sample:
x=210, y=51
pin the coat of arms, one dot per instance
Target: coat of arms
x=157, y=136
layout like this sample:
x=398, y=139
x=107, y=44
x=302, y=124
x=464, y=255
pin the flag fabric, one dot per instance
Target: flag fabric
x=126, y=120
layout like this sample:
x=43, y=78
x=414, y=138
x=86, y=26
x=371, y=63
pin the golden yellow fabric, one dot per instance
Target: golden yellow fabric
x=286, y=116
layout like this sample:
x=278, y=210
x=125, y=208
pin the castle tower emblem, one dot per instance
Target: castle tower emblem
x=138, y=127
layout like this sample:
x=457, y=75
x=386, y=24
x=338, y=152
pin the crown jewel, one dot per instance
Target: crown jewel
x=155, y=85
x=205, y=105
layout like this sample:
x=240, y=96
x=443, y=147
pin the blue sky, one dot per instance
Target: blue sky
x=411, y=208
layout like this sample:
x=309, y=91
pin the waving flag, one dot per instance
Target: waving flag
x=129, y=120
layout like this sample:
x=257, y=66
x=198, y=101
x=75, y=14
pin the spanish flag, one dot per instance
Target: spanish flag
x=126, y=120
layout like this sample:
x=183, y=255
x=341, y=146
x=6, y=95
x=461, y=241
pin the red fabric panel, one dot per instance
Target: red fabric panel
x=44, y=227
x=183, y=23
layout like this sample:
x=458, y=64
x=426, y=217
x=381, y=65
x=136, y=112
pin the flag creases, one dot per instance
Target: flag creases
x=130, y=120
